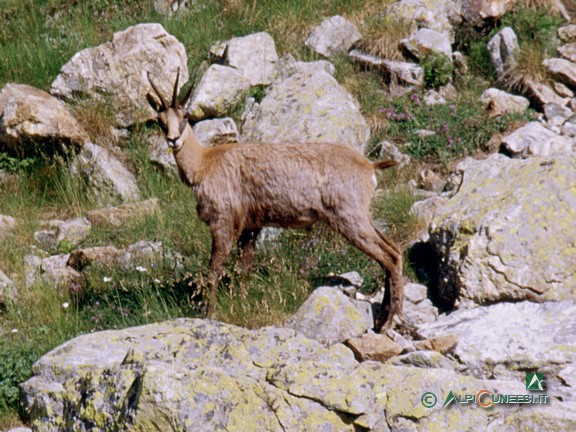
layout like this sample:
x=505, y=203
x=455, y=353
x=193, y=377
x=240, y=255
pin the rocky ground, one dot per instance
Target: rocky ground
x=499, y=250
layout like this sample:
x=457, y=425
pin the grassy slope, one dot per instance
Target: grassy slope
x=34, y=47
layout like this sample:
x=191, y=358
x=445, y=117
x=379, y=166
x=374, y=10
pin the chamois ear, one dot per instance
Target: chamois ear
x=164, y=105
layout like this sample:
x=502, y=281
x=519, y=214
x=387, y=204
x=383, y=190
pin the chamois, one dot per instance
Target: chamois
x=241, y=188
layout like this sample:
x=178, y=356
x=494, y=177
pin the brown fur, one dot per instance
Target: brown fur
x=241, y=188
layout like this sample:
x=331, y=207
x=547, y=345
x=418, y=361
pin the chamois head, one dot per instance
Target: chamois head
x=172, y=118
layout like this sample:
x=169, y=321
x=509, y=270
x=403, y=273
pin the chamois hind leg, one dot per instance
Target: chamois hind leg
x=361, y=232
x=222, y=241
x=246, y=244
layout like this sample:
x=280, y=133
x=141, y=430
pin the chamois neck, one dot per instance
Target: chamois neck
x=189, y=158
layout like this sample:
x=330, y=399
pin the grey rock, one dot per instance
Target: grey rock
x=507, y=334
x=107, y=178
x=425, y=359
x=568, y=51
x=8, y=289
x=503, y=48
x=287, y=66
x=493, y=235
x=56, y=234
x=500, y=102
x=562, y=70
x=567, y=33
x=476, y=12
x=541, y=94
x=254, y=56
x=425, y=41
x=7, y=225
x=118, y=70
x=161, y=154
x=219, y=89
x=554, y=110
x=520, y=142
x=396, y=72
x=432, y=98
x=29, y=114
x=335, y=35
x=329, y=317
x=217, y=131
x=390, y=151
x=436, y=15
x=415, y=293
x=52, y=270
x=173, y=7
x=307, y=107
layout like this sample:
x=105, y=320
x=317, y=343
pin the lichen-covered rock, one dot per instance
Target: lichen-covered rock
x=117, y=70
x=254, y=56
x=396, y=72
x=307, y=107
x=329, y=317
x=27, y=114
x=507, y=234
x=200, y=375
x=220, y=88
x=58, y=234
x=541, y=94
x=107, y=178
x=334, y=35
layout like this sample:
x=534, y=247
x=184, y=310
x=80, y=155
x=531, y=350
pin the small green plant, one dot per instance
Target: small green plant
x=13, y=164
x=438, y=69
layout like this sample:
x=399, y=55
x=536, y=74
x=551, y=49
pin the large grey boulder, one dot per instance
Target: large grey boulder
x=107, y=178
x=220, y=89
x=507, y=233
x=117, y=71
x=334, y=35
x=329, y=317
x=254, y=56
x=29, y=114
x=200, y=375
x=503, y=48
x=307, y=107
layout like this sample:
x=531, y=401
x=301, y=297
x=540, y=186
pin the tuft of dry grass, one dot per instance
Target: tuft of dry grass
x=382, y=36
x=527, y=67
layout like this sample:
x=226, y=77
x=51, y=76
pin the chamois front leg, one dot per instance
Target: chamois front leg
x=222, y=241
